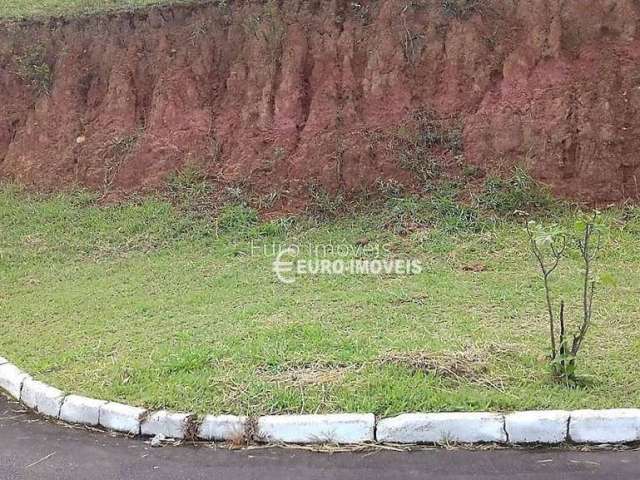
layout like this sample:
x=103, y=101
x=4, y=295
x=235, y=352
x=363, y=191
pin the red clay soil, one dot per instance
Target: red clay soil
x=281, y=95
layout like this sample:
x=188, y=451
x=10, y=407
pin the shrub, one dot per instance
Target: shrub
x=550, y=246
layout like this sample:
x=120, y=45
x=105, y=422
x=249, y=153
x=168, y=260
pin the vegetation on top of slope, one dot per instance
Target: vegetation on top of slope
x=21, y=9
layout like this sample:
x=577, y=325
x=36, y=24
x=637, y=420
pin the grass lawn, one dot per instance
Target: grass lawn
x=14, y=9
x=144, y=303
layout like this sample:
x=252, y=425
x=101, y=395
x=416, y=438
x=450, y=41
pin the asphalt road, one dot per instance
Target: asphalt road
x=31, y=448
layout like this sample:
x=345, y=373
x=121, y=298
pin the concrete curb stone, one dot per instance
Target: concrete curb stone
x=309, y=429
x=546, y=426
x=475, y=427
x=222, y=428
x=81, y=410
x=41, y=397
x=605, y=426
x=11, y=379
x=168, y=424
x=121, y=418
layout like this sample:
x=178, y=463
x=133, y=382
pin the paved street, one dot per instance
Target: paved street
x=34, y=449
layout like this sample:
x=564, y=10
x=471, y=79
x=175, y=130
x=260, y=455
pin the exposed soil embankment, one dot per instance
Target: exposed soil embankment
x=281, y=95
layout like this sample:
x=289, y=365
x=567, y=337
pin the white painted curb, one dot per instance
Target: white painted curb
x=168, y=424
x=81, y=410
x=337, y=428
x=41, y=397
x=548, y=427
x=605, y=426
x=11, y=379
x=443, y=428
x=121, y=418
x=223, y=428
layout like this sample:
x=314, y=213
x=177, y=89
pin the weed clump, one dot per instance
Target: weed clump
x=269, y=27
x=390, y=188
x=119, y=148
x=451, y=215
x=123, y=145
x=275, y=228
x=236, y=218
x=33, y=69
x=461, y=9
x=442, y=210
x=421, y=147
x=190, y=190
x=322, y=204
x=520, y=192
x=405, y=214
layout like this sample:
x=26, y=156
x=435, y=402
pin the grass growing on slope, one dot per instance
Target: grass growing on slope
x=14, y=9
x=143, y=303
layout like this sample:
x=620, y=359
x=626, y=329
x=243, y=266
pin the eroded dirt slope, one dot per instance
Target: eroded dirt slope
x=280, y=95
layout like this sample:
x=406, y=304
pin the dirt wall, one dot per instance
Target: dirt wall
x=281, y=95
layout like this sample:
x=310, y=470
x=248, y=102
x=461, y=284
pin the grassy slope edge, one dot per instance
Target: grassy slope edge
x=143, y=303
x=25, y=9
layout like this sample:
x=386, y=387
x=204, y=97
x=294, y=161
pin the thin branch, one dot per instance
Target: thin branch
x=584, y=328
x=589, y=252
x=546, y=272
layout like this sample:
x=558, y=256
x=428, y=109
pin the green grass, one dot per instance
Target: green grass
x=144, y=303
x=15, y=9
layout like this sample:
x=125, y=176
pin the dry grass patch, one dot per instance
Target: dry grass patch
x=466, y=366
x=308, y=374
